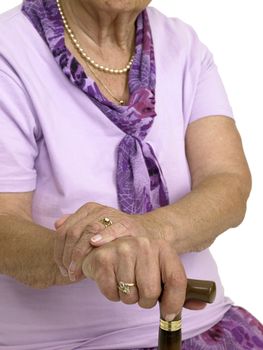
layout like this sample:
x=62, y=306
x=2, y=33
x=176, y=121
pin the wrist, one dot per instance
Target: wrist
x=157, y=225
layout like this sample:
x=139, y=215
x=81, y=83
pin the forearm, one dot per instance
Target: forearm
x=215, y=205
x=26, y=253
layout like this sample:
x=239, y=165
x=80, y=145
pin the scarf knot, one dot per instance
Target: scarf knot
x=140, y=183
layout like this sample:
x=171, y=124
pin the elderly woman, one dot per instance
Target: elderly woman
x=120, y=165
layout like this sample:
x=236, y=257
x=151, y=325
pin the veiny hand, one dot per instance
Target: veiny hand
x=145, y=262
x=73, y=245
x=74, y=232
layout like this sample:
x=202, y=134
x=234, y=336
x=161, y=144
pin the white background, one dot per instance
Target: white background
x=233, y=31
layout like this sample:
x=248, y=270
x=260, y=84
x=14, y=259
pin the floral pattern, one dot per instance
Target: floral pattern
x=140, y=183
x=238, y=330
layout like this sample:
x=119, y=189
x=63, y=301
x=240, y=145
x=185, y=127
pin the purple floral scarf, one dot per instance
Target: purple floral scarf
x=140, y=183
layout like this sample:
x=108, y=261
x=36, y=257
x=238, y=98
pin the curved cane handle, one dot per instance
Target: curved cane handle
x=170, y=332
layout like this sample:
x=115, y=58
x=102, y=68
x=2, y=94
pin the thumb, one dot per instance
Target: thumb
x=173, y=283
x=87, y=266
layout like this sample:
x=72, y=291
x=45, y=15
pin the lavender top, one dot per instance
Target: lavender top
x=46, y=122
x=140, y=183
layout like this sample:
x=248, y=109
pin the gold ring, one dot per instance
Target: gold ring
x=125, y=287
x=106, y=222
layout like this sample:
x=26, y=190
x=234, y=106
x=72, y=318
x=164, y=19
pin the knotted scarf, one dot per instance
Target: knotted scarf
x=140, y=183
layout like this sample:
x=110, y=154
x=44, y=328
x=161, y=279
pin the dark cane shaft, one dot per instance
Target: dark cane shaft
x=170, y=332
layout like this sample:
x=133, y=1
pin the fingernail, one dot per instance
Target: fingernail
x=96, y=238
x=72, y=277
x=170, y=317
x=72, y=267
x=71, y=270
x=63, y=271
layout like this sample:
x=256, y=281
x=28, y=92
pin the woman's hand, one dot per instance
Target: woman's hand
x=75, y=233
x=144, y=262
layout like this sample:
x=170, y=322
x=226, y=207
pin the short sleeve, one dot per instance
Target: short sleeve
x=210, y=97
x=18, y=146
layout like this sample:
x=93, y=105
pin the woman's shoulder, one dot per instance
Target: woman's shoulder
x=11, y=31
x=9, y=20
x=172, y=27
x=175, y=37
x=18, y=40
x=7, y=15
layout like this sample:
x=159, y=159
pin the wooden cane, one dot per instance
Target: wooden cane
x=170, y=332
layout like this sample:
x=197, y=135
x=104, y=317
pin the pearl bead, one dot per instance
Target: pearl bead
x=81, y=50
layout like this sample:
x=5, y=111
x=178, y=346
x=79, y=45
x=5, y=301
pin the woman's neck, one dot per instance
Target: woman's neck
x=97, y=26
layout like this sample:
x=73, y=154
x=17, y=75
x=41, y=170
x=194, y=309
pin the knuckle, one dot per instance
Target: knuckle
x=92, y=228
x=181, y=279
x=73, y=235
x=145, y=247
x=147, y=304
x=144, y=243
x=163, y=244
x=151, y=293
x=172, y=279
x=124, y=248
x=177, y=280
x=102, y=257
x=91, y=206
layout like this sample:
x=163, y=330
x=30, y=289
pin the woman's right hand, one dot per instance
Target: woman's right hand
x=148, y=264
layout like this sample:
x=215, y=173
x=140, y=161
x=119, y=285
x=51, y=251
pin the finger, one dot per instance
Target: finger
x=58, y=252
x=99, y=266
x=71, y=237
x=83, y=212
x=77, y=236
x=61, y=240
x=108, y=234
x=174, y=281
x=79, y=252
x=61, y=221
x=125, y=272
x=148, y=275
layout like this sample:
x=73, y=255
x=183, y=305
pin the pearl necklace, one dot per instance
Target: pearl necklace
x=84, y=54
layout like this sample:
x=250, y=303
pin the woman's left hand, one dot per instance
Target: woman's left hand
x=78, y=233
